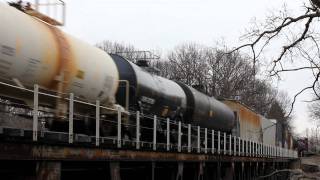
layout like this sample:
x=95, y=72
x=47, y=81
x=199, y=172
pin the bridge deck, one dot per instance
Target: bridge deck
x=36, y=151
x=16, y=144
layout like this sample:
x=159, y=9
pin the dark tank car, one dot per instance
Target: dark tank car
x=152, y=94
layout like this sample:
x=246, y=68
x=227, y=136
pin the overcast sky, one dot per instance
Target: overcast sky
x=163, y=24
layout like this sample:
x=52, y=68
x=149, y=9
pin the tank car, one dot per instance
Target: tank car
x=206, y=111
x=153, y=94
x=33, y=52
x=150, y=94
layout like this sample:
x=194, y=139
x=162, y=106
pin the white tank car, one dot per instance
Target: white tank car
x=33, y=52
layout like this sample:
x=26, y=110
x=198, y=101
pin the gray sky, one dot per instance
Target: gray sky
x=163, y=24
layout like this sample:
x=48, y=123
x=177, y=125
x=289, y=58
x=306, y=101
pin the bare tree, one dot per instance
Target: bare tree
x=116, y=47
x=188, y=65
x=298, y=43
x=219, y=74
x=279, y=108
x=164, y=67
x=230, y=74
x=260, y=96
x=314, y=110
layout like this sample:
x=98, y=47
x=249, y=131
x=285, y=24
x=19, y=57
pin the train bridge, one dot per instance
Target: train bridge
x=172, y=150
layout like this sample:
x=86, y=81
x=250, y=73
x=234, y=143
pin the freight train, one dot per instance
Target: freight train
x=34, y=52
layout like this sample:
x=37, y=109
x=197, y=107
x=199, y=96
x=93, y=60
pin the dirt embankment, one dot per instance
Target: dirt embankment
x=311, y=165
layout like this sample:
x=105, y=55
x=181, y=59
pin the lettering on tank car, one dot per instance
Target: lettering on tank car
x=147, y=103
x=5, y=63
x=5, y=76
x=7, y=50
x=31, y=68
x=147, y=100
x=4, y=67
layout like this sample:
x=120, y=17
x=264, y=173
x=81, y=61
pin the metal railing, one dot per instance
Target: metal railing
x=55, y=9
x=50, y=11
x=153, y=133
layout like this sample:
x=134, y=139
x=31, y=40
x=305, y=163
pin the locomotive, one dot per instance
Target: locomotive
x=34, y=52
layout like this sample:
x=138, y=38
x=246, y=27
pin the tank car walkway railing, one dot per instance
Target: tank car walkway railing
x=50, y=11
x=136, y=131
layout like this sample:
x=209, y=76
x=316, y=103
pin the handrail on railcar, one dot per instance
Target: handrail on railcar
x=53, y=13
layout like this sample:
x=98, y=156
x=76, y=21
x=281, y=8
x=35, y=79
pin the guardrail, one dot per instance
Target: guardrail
x=148, y=132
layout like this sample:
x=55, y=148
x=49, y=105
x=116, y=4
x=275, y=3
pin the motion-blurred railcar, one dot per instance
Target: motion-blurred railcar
x=252, y=126
x=34, y=52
